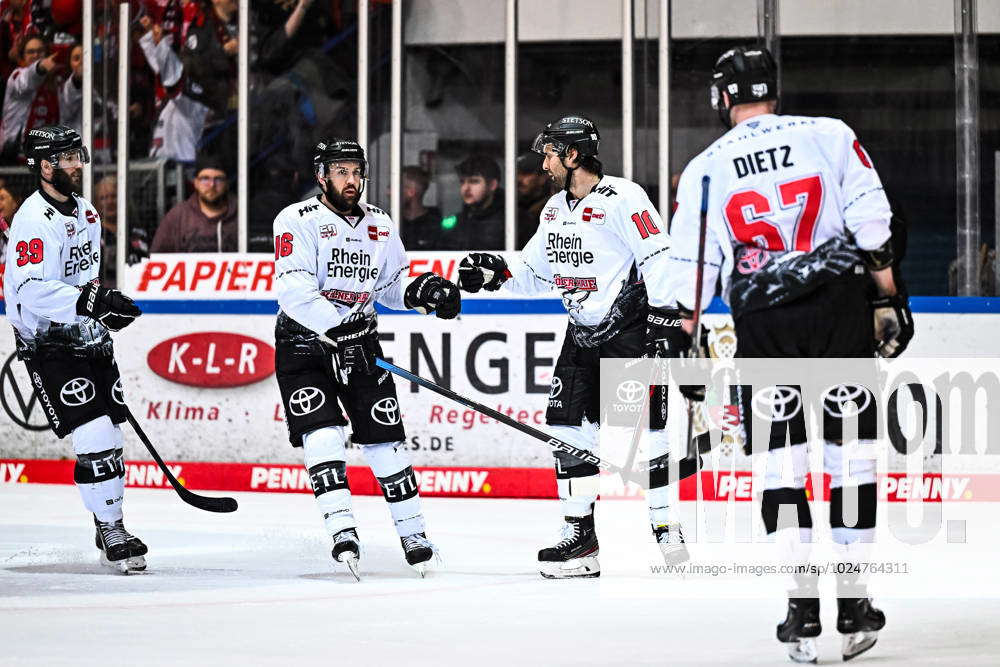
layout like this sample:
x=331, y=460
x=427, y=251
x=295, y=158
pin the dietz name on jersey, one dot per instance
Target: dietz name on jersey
x=81, y=258
x=354, y=264
x=567, y=250
x=574, y=283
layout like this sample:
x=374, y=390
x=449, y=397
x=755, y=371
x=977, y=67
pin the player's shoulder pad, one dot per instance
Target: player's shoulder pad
x=36, y=211
x=612, y=187
x=375, y=211
x=301, y=210
x=832, y=126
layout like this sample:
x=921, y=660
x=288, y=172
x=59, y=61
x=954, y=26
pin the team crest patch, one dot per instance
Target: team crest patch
x=594, y=215
x=550, y=213
x=378, y=232
x=327, y=231
x=70, y=228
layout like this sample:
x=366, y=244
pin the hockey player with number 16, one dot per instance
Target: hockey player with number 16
x=334, y=258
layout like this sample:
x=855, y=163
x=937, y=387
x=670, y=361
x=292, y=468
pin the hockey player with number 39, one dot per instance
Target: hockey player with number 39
x=601, y=243
x=334, y=258
x=798, y=231
x=61, y=317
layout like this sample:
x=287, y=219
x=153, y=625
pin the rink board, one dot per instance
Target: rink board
x=197, y=369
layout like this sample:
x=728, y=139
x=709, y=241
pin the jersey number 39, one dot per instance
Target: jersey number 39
x=29, y=252
x=746, y=213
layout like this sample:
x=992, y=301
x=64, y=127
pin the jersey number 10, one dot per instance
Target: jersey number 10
x=746, y=212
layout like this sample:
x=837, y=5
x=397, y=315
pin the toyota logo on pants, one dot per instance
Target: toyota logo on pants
x=778, y=404
x=77, y=392
x=556, y=387
x=118, y=392
x=846, y=400
x=630, y=391
x=386, y=412
x=305, y=400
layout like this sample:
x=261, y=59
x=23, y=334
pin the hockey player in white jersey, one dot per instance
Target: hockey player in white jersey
x=798, y=232
x=61, y=316
x=335, y=257
x=601, y=243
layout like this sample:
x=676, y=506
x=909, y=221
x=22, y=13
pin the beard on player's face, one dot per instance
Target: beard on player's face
x=67, y=181
x=342, y=200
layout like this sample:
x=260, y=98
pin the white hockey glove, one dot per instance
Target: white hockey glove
x=893, y=324
x=481, y=270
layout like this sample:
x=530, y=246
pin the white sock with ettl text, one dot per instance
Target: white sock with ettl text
x=390, y=464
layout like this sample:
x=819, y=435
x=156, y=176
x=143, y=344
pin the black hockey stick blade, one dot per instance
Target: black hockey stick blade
x=207, y=503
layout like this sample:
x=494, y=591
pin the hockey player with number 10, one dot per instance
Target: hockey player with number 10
x=334, y=258
x=61, y=317
x=602, y=245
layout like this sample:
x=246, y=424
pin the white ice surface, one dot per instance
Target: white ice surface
x=258, y=587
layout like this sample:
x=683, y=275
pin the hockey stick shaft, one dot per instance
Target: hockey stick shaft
x=207, y=503
x=688, y=467
x=699, y=282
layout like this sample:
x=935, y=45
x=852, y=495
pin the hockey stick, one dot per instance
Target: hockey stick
x=207, y=503
x=687, y=466
x=699, y=283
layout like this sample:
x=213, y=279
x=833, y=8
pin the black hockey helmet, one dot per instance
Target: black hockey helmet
x=49, y=142
x=745, y=74
x=336, y=150
x=574, y=131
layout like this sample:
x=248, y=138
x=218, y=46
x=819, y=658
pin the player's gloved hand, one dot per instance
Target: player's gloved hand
x=108, y=306
x=430, y=293
x=666, y=339
x=481, y=270
x=354, y=348
x=893, y=324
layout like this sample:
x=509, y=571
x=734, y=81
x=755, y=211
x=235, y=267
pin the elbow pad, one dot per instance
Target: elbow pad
x=880, y=257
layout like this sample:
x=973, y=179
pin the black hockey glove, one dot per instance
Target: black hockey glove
x=108, y=306
x=480, y=270
x=430, y=293
x=666, y=339
x=354, y=345
x=893, y=324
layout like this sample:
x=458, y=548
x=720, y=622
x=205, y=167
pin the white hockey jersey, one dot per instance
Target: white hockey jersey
x=329, y=267
x=49, y=256
x=588, y=252
x=780, y=183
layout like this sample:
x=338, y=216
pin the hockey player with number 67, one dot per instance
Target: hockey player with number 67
x=334, y=258
x=798, y=233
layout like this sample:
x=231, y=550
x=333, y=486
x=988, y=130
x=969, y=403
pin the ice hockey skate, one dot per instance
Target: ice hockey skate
x=859, y=622
x=671, y=541
x=800, y=628
x=347, y=550
x=575, y=555
x=419, y=551
x=120, y=550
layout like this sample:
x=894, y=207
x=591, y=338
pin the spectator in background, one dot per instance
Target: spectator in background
x=10, y=201
x=106, y=203
x=205, y=221
x=421, y=228
x=534, y=187
x=71, y=92
x=31, y=99
x=480, y=224
x=198, y=78
x=278, y=188
x=15, y=25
